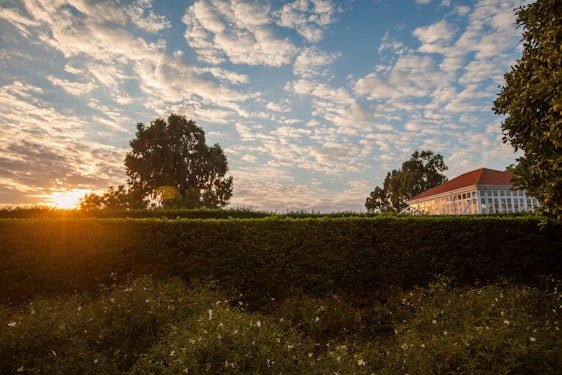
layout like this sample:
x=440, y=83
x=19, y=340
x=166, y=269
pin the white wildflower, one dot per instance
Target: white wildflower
x=12, y=324
x=361, y=362
x=507, y=322
x=532, y=339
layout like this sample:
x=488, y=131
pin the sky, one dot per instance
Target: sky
x=313, y=101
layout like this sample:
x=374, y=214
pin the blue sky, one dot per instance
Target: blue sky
x=313, y=101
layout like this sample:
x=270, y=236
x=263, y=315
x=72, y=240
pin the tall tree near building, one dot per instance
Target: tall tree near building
x=420, y=173
x=532, y=100
x=171, y=164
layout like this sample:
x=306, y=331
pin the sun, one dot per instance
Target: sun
x=66, y=199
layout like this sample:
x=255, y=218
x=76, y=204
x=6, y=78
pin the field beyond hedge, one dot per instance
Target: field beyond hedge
x=316, y=295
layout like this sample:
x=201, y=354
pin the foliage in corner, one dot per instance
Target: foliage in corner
x=532, y=100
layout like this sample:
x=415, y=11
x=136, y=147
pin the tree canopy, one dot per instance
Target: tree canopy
x=171, y=163
x=420, y=173
x=532, y=100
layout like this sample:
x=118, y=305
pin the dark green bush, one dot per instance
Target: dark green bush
x=264, y=258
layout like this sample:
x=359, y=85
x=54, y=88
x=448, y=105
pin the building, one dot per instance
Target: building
x=482, y=191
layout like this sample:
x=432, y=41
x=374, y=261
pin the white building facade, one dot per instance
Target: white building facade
x=482, y=191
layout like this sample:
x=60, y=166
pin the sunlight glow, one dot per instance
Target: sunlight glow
x=67, y=199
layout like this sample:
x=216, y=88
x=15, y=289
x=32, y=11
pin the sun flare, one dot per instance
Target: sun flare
x=66, y=199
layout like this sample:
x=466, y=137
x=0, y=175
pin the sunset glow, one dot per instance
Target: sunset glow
x=66, y=199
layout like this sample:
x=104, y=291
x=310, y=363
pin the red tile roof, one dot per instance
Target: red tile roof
x=482, y=176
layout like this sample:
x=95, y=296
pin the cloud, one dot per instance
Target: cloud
x=288, y=132
x=277, y=107
x=240, y=32
x=411, y=76
x=312, y=62
x=249, y=158
x=19, y=21
x=431, y=90
x=308, y=18
x=108, y=47
x=281, y=192
x=151, y=23
x=167, y=78
x=74, y=88
x=434, y=36
x=331, y=154
x=47, y=149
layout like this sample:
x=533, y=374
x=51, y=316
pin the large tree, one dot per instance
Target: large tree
x=170, y=163
x=420, y=173
x=532, y=100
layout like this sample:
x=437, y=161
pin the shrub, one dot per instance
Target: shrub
x=225, y=340
x=166, y=327
x=494, y=329
x=321, y=318
x=77, y=334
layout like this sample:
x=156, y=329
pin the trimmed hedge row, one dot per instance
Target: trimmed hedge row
x=168, y=213
x=264, y=258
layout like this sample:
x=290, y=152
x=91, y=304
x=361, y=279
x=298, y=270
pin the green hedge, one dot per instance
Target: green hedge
x=44, y=212
x=264, y=258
